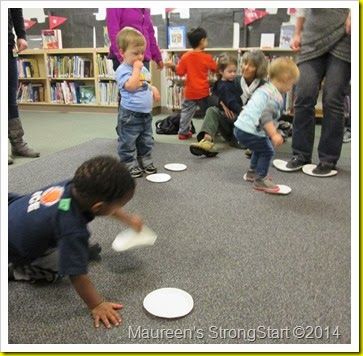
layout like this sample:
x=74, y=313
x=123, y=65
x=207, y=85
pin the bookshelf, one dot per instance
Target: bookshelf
x=76, y=79
x=173, y=85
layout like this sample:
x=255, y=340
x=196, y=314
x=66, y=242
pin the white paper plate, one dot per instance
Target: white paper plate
x=176, y=167
x=158, y=177
x=169, y=303
x=308, y=169
x=284, y=189
x=281, y=166
x=130, y=239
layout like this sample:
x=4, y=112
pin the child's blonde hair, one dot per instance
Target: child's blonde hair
x=128, y=36
x=224, y=60
x=283, y=68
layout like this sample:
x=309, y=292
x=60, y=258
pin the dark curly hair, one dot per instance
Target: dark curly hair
x=195, y=35
x=103, y=178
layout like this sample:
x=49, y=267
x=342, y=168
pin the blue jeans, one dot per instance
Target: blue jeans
x=262, y=151
x=135, y=138
x=337, y=77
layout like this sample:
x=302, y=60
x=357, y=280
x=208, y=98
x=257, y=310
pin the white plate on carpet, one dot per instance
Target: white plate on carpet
x=130, y=239
x=281, y=166
x=308, y=169
x=176, y=167
x=283, y=189
x=169, y=303
x=158, y=177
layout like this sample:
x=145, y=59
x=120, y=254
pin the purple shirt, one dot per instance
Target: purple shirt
x=140, y=19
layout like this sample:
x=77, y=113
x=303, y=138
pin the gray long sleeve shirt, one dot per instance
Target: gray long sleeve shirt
x=324, y=32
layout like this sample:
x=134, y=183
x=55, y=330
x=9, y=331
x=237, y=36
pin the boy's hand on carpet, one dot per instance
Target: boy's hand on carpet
x=106, y=312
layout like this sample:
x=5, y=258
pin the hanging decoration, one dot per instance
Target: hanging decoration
x=29, y=24
x=55, y=21
x=251, y=15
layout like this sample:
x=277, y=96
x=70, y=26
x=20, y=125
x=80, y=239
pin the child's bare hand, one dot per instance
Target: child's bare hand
x=168, y=64
x=106, y=312
x=277, y=139
x=138, y=65
x=156, y=94
x=136, y=223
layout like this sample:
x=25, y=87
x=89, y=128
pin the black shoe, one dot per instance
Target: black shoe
x=296, y=163
x=150, y=169
x=136, y=172
x=323, y=168
x=94, y=252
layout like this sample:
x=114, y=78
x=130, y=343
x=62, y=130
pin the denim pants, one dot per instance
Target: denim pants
x=337, y=77
x=189, y=107
x=12, y=85
x=135, y=138
x=262, y=151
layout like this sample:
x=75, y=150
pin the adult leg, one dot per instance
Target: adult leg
x=210, y=123
x=336, y=85
x=15, y=130
x=187, y=111
x=307, y=91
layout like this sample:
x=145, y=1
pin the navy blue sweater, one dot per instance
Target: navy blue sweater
x=230, y=94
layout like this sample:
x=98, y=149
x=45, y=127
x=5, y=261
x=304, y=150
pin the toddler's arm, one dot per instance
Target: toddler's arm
x=271, y=131
x=132, y=220
x=133, y=83
x=156, y=94
x=103, y=311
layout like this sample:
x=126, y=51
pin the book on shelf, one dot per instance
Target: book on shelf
x=87, y=94
x=108, y=93
x=30, y=93
x=106, y=38
x=286, y=34
x=52, y=39
x=69, y=67
x=267, y=40
x=34, y=41
x=176, y=37
x=105, y=67
x=28, y=68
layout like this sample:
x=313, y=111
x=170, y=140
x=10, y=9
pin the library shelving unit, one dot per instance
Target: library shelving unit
x=173, y=84
x=72, y=79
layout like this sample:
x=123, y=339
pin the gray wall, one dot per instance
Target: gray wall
x=77, y=31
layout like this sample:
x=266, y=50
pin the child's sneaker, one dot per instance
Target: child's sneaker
x=250, y=176
x=248, y=153
x=136, y=172
x=150, y=169
x=204, y=147
x=185, y=136
x=265, y=185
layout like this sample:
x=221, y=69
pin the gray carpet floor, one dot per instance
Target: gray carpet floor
x=248, y=259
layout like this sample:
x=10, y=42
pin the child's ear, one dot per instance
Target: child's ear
x=97, y=208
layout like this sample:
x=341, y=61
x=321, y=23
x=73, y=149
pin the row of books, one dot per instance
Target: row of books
x=28, y=68
x=108, y=93
x=105, y=67
x=69, y=67
x=72, y=93
x=174, y=96
x=30, y=93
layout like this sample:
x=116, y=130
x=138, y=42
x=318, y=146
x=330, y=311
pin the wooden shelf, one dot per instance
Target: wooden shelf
x=71, y=79
x=28, y=79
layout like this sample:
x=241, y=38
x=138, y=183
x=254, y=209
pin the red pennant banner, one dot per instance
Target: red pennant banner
x=251, y=15
x=29, y=24
x=167, y=10
x=55, y=21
